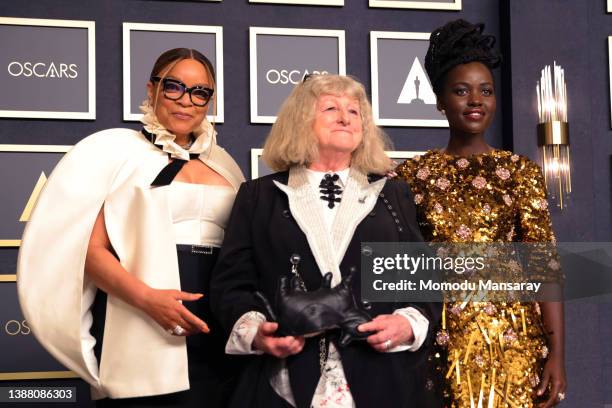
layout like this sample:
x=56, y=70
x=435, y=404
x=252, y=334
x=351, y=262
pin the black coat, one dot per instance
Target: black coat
x=261, y=237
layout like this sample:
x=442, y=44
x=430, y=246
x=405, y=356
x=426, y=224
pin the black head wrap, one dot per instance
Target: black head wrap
x=458, y=42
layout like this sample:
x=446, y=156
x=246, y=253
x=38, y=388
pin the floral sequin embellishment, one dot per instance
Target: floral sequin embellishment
x=462, y=163
x=490, y=309
x=456, y=310
x=418, y=199
x=442, y=338
x=503, y=173
x=507, y=199
x=442, y=183
x=423, y=173
x=540, y=204
x=486, y=208
x=438, y=208
x=514, y=158
x=510, y=336
x=464, y=232
x=442, y=252
x=479, y=182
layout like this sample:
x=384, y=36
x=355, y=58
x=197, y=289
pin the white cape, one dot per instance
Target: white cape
x=114, y=168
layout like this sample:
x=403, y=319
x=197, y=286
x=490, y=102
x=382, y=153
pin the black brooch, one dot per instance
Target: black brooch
x=330, y=190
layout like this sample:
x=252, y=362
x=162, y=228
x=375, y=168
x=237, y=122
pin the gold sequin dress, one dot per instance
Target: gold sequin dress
x=494, y=350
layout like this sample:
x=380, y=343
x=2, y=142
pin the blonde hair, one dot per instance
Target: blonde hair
x=291, y=140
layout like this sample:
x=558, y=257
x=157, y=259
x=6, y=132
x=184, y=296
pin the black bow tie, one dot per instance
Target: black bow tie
x=330, y=189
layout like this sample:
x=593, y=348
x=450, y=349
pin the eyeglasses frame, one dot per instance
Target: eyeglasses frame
x=185, y=90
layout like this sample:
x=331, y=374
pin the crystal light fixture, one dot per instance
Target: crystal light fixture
x=553, y=133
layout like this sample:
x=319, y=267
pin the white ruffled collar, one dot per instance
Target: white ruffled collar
x=205, y=135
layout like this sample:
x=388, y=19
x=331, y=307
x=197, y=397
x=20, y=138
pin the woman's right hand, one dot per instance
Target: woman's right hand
x=166, y=308
x=163, y=306
x=279, y=347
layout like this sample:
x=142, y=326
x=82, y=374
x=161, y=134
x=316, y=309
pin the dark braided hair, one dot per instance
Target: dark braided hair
x=458, y=42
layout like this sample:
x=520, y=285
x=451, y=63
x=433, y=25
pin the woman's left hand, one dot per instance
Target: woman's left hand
x=392, y=173
x=554, y=373
x=390, y=331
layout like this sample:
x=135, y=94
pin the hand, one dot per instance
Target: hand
x=388, y=327
x=165, y=307
x=554, y=373
x=279, y=347
x=392, y=173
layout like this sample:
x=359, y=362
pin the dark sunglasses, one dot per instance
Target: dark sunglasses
x=174, y=90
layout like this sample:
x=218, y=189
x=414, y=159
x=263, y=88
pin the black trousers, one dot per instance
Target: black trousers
x=212, y=374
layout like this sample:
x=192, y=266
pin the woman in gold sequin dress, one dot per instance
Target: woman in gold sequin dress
x=498, y=354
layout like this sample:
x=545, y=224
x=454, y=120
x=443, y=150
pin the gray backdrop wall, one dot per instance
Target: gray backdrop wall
x=531, y=33
x=575, y=35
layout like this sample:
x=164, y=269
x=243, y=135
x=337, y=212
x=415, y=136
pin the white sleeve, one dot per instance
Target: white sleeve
x=241, y=338
x=419, y=324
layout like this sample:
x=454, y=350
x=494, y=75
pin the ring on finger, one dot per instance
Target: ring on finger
x=387, y=344
x=561, y=396
x=178, y=330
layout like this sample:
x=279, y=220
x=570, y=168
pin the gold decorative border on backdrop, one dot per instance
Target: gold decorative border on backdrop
x=32, y=375
x=279, y=32
x=217, y=31
x=90, y=26
x=37, y=375
x=393, y=154
x=29, y=149
x=427, y=5
x=303, y=2
x=375, y=36
x=610, y=62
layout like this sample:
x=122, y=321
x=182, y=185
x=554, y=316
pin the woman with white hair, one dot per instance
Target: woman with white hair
x=310, y=217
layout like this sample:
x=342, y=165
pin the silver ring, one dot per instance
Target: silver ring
x=561, y=396
x=387, y=344
x=178, y=330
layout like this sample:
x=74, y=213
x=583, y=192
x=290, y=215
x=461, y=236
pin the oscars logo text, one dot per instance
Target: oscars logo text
x=43, y=70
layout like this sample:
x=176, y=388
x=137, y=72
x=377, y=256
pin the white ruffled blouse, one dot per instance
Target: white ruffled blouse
x=205, y=135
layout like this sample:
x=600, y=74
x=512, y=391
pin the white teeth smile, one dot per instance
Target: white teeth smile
x=475, y=115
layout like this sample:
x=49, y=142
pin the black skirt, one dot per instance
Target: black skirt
x=212, y=373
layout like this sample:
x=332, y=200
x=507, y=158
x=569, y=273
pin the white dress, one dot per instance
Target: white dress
x=200, y=212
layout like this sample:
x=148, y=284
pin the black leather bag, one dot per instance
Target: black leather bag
x=302, y=313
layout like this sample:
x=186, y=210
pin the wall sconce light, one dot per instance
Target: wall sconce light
x=553, y=133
